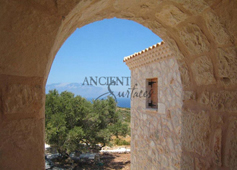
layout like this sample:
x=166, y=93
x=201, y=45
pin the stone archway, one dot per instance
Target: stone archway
x=201, y=33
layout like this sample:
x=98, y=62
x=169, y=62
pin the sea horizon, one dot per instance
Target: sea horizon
x=121, y=102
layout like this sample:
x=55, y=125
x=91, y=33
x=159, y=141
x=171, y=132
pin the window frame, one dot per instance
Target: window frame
x=152, y=86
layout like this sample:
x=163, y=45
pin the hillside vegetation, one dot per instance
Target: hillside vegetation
x=73, y=123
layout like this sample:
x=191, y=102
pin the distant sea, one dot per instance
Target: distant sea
x=121, y=102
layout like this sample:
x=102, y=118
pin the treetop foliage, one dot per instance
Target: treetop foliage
x=72, y=122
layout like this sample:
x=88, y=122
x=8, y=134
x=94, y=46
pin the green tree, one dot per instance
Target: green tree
x=72, y=120
x=56, y=131
x=52, y=105
x=120, y=129
x=74, y=138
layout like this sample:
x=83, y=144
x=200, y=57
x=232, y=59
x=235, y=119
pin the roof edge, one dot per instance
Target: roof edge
x=143, y=51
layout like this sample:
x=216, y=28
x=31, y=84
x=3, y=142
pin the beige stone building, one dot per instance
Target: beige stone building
x=156, y=118
x=196, y=123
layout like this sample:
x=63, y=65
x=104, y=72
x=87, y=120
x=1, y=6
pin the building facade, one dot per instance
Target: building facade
x=156, y=101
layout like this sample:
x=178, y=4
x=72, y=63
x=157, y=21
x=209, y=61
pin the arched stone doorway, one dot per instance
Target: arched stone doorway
x=201, y=33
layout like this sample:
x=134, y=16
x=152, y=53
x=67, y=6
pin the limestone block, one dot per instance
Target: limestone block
x=217, y=147
x=157, y=27
x=184, y=74
x=174, y=47
x=178, y=149
x=175, y=163
x=231, y=145
x=194, y=7
x=196, y=130
x=161, y=108
x=171, y=63
x=172, y=14
x=233, y=153
x=194, y=39
x=22, y=98
x=187, y=162
x=201, y=164
x=202, y=69
x=204, y=98
x=169, y=94
x=165, y=161
x=189, y=95
x=1, y=104
x=227, y=65
x=224, y=101
x=127, y=14
x=22, y=139
x=176, y=120
x=216, y=28
x=218, y=119
x=170, y=143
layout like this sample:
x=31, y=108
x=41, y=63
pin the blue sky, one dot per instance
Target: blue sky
x=98, y=49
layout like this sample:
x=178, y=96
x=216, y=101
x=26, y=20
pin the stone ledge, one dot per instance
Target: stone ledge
x=150, y=110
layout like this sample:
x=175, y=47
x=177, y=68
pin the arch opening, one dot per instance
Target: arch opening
x=96, y=51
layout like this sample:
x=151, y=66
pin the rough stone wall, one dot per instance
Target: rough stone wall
x=21, y=122
x=188, y=130
x=156, y=134
x=208, y=133
x=202, y=34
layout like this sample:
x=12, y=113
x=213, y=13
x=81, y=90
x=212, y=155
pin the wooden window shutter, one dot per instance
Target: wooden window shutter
x=152, y=85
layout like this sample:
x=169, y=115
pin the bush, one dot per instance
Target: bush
x=121, y=142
